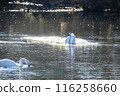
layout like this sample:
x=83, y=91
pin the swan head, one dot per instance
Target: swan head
x=71, y=34
x=24, y=60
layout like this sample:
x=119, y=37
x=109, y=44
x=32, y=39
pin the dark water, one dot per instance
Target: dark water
x=59, y=62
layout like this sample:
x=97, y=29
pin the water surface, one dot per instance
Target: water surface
x=56, y=62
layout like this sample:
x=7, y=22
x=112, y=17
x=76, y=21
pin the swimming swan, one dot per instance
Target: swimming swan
x=70, y=39
x=11, y=63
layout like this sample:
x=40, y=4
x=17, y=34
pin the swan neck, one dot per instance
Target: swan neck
x=21, y=62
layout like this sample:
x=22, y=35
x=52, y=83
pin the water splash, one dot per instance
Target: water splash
x=56, y=40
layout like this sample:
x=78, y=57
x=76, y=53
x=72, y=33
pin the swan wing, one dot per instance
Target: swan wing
x=67, y=40
x=7, y=63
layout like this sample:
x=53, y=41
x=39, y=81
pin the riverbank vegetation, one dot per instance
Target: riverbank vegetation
x=86, y=5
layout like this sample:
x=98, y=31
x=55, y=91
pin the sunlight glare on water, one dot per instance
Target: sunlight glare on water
x=57, y=40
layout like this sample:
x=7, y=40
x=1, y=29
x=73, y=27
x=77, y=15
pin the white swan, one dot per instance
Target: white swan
x=70, y=39
x=11, y=63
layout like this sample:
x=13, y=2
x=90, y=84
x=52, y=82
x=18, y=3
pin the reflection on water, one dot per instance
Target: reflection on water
x=57, y=61
x=13, y=73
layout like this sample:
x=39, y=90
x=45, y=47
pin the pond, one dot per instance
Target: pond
x=61, y=62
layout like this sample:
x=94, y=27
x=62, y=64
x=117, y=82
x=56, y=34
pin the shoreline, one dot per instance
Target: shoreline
x=50, y=10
